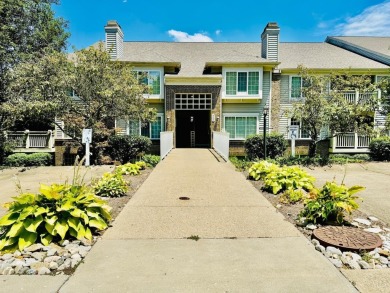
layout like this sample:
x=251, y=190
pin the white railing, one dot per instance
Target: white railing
x=166, y=143
x=355, y=97
x=31, y=139
x=350, y=142
x=221, y=144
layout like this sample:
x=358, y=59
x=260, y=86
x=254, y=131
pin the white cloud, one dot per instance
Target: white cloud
x=218, y=32
x=179, y=36
x=373, y=21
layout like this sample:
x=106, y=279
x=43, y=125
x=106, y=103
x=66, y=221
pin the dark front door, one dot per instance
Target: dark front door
x=193, y=128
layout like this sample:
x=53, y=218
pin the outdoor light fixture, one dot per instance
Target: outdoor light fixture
x=265, y=113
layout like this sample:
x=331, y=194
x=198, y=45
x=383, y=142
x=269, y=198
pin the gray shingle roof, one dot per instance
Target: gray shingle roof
x=376, y=48
x=193, y=57
x=322, y=56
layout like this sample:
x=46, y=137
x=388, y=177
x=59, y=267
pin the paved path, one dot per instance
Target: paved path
x=245, y=244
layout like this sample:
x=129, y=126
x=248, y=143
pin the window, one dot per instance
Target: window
x=151, y=78
x=242, y=83
x=296, y=85
x=151, y=130
x=240, y=127
x=303, y=132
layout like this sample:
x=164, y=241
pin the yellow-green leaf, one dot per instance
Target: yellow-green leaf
x=88, y=234
x=51, y=192
x=98, y=223
x=46, y=239
x=51, y=221
x=61, y=227
x=9, y=219
x=40, y=211
x=31, y=225
x=72, y=232
x=26, y=239
x=50, y=229
x=80, y=232
x=73, y=223
x=15, y=229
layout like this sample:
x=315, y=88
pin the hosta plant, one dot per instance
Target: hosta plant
x=331, y=203
x=151, y=160
x=128, y=169
x=141, y=165
x=288, y=178
x=59, y=211
x=291, y=195
x=261, y=169
x=111, y=185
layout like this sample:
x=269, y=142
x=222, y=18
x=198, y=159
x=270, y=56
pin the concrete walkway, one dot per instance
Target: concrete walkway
x=244, y=245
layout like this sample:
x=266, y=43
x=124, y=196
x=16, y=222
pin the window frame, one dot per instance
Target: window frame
x=149, y=124
x=240, y=115
x=300, y=129
x=248, y=71
x=291, y=87
x=139, y=70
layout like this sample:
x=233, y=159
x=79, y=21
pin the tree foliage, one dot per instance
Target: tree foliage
x=323, y=104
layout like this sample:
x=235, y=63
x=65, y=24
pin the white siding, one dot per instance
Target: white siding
x=273, y=47
x=285, y=89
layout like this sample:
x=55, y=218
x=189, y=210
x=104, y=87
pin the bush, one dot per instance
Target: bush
x=27, y=160
x=241, y=163
x=288, y=178
x=128, y=169
x=254, y=146
x=151, y=160
x=111, y=185
x=344, y=159
x=59, y=211
x=126, y=148
x=261, y=169
x=380, y=149
x=330, y=203
x=141, y=165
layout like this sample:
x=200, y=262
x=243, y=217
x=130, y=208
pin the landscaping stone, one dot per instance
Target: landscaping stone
x=353, y=265
x=34, y=247
x=373, y=230
x=39, y=256
x=315, y=242
x=364, y=265
x=336, y=262
x=363, y=221
x=7, y=256
x=311, y=226
x=373, y=219
x=320, y=248
x=334, y=250
x=43, y=271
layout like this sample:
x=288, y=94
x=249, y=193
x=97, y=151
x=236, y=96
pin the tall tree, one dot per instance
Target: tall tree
x=324, y=105
x=84, y=90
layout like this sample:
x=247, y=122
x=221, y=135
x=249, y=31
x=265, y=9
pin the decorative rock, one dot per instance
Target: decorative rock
x=8, y=271
x=43, y=271
x=311, y=226
x=53, y=258
x=53, y=265
x=65, y=243
x=83, y=253
x=39, y=256
x=320, y=248
x=336, y=262
x=383, y=260
x=373, y=230
x=86, y=242
x=363, y=221
x=278, y=206
x=30, y=261
x=315, y=242
x=7, y=256
x=352, y=255
x=302, y=222
x=333, y=250
x=76, y=257
x=355, y=224
x=384, y=252
x=20, y=270
x=18, y=263
x=75, y=262
x=34, y=247
x=51, y=252
x=354, y=265
x=39, y=265
x=17, y=253
x=373, y=219
x=31, y=272
x=364, y=265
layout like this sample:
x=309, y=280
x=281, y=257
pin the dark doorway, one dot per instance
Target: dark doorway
x=192, y=128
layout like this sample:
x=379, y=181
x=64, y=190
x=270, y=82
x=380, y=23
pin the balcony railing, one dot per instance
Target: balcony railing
x=31, y=140
x=350, y=143
x=355, y=97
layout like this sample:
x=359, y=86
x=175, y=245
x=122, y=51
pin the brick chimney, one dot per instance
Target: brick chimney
x=270, y=42
x=114, y=39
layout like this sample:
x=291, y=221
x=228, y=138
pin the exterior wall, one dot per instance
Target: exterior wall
x=285, y=104
x=171, y=90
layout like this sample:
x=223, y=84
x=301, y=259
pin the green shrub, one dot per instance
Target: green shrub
x=291, y=196
x=254, y=146
x=380, y=149
x=128, y=169
x=57, y=212
x=330, y=203
x=288, y=178
x=151, y=160
x=241, y=163
x=27, y=160
x=261, y=169
x=141, y=165
x=126, y=148
x=344, y=159
x=111, y=185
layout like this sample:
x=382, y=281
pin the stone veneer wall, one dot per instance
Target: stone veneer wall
x=171, y=90
x=275, y=102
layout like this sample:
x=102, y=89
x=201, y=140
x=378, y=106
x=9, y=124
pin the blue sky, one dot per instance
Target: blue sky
x=223, y=21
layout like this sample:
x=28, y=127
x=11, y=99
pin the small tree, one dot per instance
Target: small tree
x=90, y=91
x=323, y=105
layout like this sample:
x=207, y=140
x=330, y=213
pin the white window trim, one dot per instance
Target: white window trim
x=243, y=94
x=159, y=116
x=290, y=88
x=300, y=131
x=148, y=69
x=241, y=115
